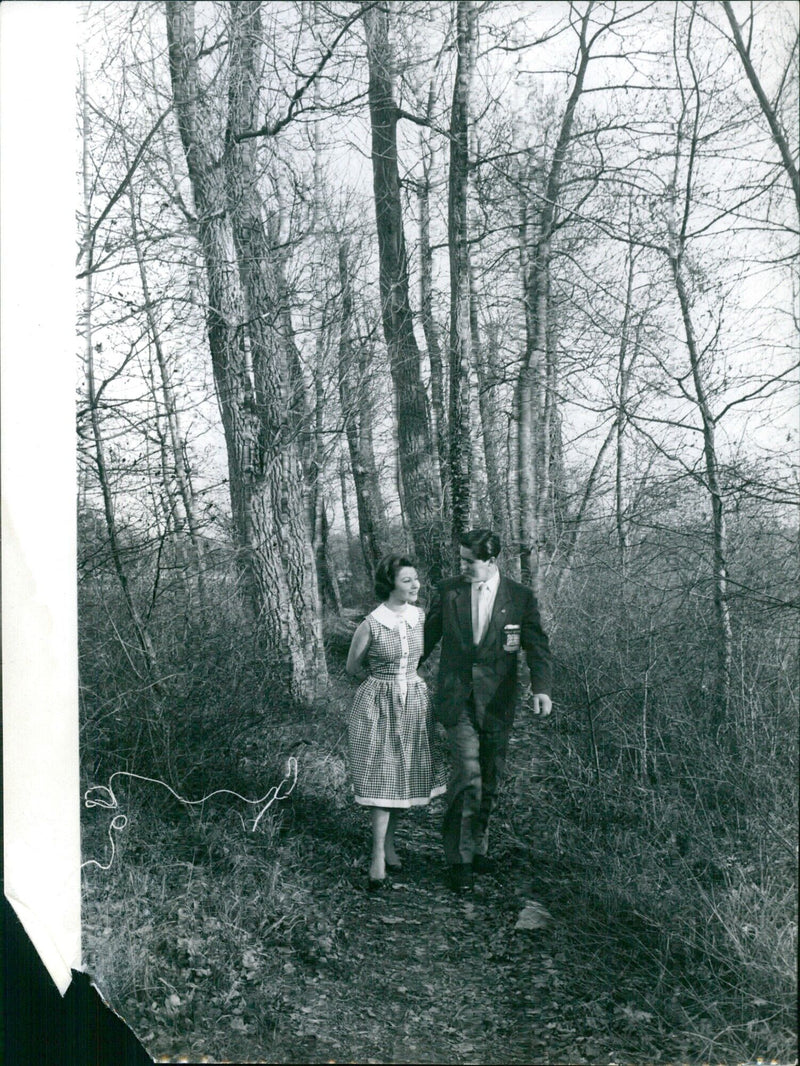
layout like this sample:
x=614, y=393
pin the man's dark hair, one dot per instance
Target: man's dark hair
x=386, y=573
x=483, y=543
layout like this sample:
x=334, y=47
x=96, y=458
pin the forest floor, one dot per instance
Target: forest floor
x=215, y=943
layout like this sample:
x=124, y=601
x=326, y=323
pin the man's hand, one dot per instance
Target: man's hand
x=542, y=704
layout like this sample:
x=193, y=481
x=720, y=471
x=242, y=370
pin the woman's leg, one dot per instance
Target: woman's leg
x=380, y=825
x=389, y=849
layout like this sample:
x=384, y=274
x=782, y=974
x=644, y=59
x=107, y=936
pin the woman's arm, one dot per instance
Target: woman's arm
x=358, y=648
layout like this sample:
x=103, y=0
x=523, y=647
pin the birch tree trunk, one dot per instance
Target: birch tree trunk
x=421, y=493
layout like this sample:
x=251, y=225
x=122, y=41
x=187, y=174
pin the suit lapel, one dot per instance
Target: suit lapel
x=462, y=596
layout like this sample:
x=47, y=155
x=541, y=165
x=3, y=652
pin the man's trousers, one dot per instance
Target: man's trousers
x=479, y=758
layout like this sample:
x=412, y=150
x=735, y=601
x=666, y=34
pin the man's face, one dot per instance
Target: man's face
x=475, y=569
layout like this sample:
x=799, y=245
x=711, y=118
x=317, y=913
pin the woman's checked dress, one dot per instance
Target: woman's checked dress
x=390, y=729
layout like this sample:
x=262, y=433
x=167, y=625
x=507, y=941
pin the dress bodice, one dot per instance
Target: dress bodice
x=395, y=645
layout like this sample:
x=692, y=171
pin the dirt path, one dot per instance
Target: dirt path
x=219, y=944
x=415, y=974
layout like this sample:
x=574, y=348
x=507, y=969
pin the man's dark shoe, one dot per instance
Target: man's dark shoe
x=482, y=864
x=461, y=877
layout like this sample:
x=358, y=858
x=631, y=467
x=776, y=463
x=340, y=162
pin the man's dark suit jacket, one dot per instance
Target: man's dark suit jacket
x=486, y=673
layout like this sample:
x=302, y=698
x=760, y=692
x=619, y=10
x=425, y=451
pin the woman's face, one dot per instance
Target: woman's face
x=406, y=585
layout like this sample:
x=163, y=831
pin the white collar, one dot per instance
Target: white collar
x=492, y=582
x=390, y=618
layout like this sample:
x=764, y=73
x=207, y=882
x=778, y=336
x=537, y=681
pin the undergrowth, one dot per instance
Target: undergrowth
x=660, y=846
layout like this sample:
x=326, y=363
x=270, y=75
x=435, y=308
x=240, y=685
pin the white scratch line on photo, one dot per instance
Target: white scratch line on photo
x=108, y=800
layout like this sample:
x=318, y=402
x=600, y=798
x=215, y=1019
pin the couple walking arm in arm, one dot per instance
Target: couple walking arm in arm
x=483, y=620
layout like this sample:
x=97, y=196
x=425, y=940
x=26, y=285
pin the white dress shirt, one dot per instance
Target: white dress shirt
x=483, y=597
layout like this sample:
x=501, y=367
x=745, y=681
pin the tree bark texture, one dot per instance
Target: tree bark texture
x=460, y=435
x=265, y=471
x=350, y=389
x=421, y=490
x=430, y=327
x=487, y=370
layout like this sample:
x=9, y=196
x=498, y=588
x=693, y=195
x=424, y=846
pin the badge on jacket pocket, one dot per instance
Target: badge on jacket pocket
x=512, y=633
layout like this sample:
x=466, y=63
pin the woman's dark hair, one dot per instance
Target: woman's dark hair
x=386, y=573
x=483, y=543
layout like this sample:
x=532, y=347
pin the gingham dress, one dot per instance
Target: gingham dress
x=390, y=729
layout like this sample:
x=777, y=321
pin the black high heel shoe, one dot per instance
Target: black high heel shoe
x=375, y=884
x=394, y=867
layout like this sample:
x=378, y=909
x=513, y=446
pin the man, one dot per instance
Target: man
x=483, y=620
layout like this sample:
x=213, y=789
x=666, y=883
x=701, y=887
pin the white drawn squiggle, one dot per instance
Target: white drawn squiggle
x=103, y=796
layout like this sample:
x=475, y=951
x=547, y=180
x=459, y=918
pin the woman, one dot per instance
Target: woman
x=388, y=731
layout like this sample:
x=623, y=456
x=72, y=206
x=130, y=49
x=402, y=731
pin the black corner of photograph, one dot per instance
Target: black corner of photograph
x=43, y=1028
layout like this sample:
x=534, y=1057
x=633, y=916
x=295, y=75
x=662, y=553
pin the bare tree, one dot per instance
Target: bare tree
x=421, y=489
x=265, y=469
x=537, y=246
x=461, y=324
x=351, y=394
x=768, y=109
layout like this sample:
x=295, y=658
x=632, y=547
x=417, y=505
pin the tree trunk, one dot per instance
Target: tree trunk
x=623, y=378
x=421, y=490
x=430, y=328
x=718, y=527
x=326, y=570
x=279, y=464
x=460, y=437
x=546, y=406
x=355, y=556
x=677, y=229
x=577, y=524
x=253, y=387
x=350, y=389
x=536, y=278
x=490, y=415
